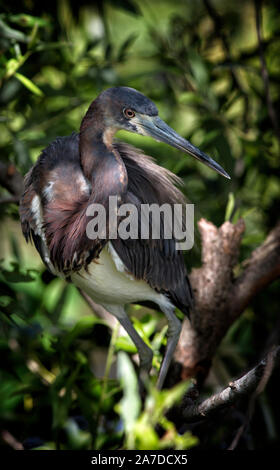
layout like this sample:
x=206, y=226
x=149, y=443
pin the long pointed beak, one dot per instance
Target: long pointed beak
x=154, y=127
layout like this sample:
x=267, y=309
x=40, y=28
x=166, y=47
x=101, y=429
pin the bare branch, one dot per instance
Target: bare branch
x=212, y=285
x=220, y=298
x=9, y=200
x=254, y=380
x=11, y=440
x=270, y=362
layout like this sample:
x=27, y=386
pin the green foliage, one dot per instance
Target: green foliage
x=48, y=376
x=140, y=427
x=207, y=83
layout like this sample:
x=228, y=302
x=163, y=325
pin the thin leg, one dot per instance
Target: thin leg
x=145, y=353
x=173, y=335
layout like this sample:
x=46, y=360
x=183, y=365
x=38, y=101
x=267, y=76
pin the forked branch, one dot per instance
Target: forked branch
x=220, y=296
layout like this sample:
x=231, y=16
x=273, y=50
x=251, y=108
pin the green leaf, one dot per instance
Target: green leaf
x=29, y=84
x=5, y=300
x=125, y=46
x=17, y=275
x=47, y=446
x=159, y=338
x=11, y=66
x=61, y=391
x=190, y=98
x=167, y=398
x=146, y=326
x=78, y=439
x=130, y=404
x=27, y=20
x=9, y=33
x=145, y=435
x=82, y=326
x=124, y=343
x=230, y=206
x=47, y=341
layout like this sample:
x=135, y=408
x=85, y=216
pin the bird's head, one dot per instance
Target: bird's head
x=128, y=109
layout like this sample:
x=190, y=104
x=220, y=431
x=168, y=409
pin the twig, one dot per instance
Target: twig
x=9, y=200
x=11, y=440
x=254, y=380
x=270, y=362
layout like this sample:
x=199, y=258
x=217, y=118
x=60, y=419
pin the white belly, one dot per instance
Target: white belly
x=108, y=284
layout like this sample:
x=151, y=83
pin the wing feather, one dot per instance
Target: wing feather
x=156, y=261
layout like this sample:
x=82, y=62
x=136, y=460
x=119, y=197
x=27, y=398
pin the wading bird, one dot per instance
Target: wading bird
x=88, y=167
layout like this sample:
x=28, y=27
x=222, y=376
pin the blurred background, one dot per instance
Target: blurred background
x=202, y=63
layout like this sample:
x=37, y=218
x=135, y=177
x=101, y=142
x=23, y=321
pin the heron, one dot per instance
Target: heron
x=88, y=167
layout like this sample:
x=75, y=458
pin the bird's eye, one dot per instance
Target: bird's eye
x=128, y=113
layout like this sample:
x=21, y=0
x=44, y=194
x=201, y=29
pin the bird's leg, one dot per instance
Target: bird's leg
x=144, y=352
x=173, y=334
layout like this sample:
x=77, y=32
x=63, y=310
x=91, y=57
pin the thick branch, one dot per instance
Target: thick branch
x=220, y=298
x=247, y=384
